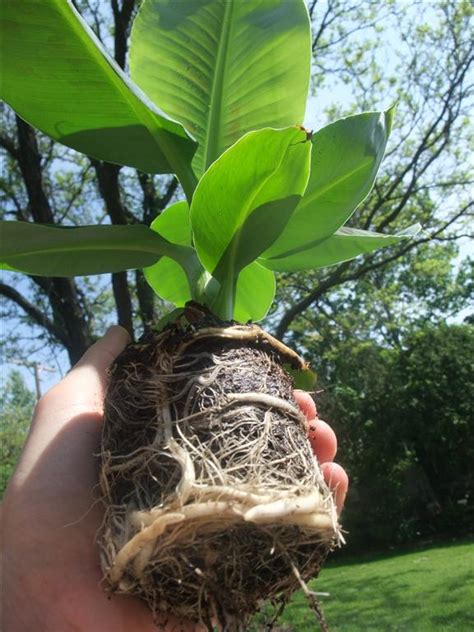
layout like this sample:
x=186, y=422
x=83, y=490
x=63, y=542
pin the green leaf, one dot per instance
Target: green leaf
x=174, y=224
x=167, y=277
x=223, y=67
x=63, y=252
x=169, y=280
x=59, y=79
x=254, y=293
x=304, y=379
x=244, y=200
x=345, y=159
x=345, y=244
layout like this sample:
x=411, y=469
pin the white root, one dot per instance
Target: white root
x=284, y=507
x=304, y=511
x=268, y=401
x=133, y=546
x=311, y=596
x=229, y=493
x=142, y=558
x=211, y=509
x=188, y=475
x=248, y=333
x=317, y=522
x=214, y=471
x=142, y=519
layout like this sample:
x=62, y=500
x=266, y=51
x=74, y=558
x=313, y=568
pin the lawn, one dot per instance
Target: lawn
x=430, y=589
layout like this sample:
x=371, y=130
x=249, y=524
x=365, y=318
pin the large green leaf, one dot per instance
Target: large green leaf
x=345, y=159
x=345, y=244
x=57, y=76
x=223, y=67
x=244, y=200
x=169, y=280
x=174, y=224
x=63, y=252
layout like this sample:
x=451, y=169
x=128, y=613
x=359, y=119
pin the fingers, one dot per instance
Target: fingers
x=104, y=351
x=306, y=403
x=338, y=482
x=321, y=436
x=323, y=441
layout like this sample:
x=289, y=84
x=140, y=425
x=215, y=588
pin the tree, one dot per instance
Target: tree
x=404, y=430
x=436, y=378
x=16, y=411
x=46, y=183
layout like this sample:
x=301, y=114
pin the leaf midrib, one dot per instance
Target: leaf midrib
x=211, y=147
x=97, y=248
x=308, y=198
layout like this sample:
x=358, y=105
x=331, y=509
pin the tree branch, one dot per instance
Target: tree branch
x=9, y=145
x=62, y=292
x=338, y=277
x=300, y=306
x=123, y=300
x=29, y=161
x=122, y=20
x=36, y=314
x=109, y=189
x=146, y=301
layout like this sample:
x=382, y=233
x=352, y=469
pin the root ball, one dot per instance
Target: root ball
x=214, y=500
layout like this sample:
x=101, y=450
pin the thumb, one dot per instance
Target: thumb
x=65, y=422
x=85, y=384
x=103, y=352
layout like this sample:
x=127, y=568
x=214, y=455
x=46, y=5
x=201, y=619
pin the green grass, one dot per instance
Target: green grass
x=430, y=589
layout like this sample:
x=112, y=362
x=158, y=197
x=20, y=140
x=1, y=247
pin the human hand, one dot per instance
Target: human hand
x=50, y=519
x=324, y=443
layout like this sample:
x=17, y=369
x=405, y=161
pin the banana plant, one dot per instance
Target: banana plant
x=217, y=95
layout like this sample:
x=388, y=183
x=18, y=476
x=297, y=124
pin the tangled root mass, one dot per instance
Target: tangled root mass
x=214, y=500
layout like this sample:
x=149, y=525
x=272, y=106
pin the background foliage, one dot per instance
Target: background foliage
x=16, y=409
x=395, y=375
x=404, y=420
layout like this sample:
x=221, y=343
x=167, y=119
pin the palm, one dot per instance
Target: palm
x=59, y=521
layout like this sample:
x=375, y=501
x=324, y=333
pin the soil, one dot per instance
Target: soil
x=214, y=500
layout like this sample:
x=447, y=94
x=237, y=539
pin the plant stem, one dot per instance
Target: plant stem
x=224, y=303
